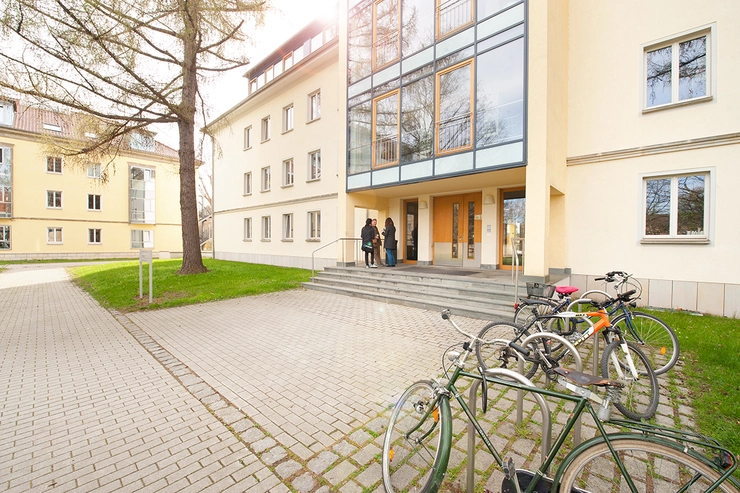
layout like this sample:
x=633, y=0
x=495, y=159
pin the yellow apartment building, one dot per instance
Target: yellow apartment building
x=50, y=208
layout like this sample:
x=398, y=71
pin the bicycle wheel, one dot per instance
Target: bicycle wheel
x=639, y=398
x=528, y=310
x=492, y=352
x=653, y=467
x=417, y=443
x=656, y=339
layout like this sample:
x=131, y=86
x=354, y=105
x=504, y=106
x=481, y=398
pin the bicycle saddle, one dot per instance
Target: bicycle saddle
x=586, y=379
x=566, y=289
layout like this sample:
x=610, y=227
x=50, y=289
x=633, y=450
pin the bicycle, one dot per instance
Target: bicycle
x=653, y=335
x=621, y=359
x=638, y=458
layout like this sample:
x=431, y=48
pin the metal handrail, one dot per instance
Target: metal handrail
x=313, y=270
x=515, y=265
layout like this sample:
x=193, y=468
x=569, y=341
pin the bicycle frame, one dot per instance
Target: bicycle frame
x=582, y=404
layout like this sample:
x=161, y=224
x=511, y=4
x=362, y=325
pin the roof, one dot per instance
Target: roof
x=66, y=125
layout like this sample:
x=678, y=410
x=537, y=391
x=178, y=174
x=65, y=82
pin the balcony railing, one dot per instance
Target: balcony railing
x=455, y=133
x=386, y=150
x=453, y=14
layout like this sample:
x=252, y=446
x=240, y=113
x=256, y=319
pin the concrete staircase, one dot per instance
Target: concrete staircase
x=475, y=294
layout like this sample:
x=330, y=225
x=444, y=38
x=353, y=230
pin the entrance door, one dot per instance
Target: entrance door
x=512, y=213
x=457, y=230
x=408, y=233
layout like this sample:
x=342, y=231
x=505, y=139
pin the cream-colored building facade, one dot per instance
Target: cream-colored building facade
x=277, y=157
x=50, y=208
x=573, y=136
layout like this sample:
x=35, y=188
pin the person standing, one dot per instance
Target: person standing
x=390, y=243
x=376, y=243
x=367, y=234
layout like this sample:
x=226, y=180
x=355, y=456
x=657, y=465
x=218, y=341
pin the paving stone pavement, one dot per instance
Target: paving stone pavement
x=287, y=391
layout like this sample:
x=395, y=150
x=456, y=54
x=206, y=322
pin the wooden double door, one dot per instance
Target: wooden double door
x=457, y=230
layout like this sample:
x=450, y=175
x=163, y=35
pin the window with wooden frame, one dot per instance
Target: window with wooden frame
x=386, y=117
x=454, y=108
x=453, y=15
x=386, y=39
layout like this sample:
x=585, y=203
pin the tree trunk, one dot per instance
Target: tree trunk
x=192, y=261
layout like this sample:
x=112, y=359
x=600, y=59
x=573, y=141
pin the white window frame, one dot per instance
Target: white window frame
x=314, y=113
x=265, y=129
x=94, y=171
x=673, y=236
x=265, y=179
x=314, y=172
x=51, y=196
x=247, y=229
x=54, y=161
x=674, y=41
x=287, y=227
x=143, y=195
x=248, y=137
x=5, y=238
x=248, y=183
x=6, y=177
x=288, y=172
x=99, y=202
x=58, y=235
x=94, y=236
x=147, y=239
x=313, y=226
x=288, y=118
x=266, y=228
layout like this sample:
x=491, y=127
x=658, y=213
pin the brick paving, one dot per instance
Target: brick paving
x=281, y=392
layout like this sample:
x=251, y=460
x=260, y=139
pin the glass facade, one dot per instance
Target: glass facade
x=424, y=82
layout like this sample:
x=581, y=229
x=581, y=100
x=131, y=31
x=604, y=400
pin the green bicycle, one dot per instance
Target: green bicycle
x=638, y=458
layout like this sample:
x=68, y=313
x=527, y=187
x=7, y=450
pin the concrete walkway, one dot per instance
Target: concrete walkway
x=282, y=392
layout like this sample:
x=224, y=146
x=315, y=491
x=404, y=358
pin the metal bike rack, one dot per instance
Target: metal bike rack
x=544, y=406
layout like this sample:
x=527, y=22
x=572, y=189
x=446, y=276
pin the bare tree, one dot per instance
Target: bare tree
x=128, y=64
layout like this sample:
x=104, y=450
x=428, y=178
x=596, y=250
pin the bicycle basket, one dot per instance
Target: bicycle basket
x=540, y=290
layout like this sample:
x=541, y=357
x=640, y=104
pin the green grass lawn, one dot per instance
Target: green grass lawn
x=116, y=284
x=710, y=351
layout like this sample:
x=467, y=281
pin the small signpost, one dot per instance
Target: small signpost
x=145, y=256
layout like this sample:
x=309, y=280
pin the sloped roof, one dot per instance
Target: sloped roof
x=66, y=125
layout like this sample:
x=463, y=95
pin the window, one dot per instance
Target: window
x=677, y=71
x=142, y=238
x=7, y=113
x=455, y=108
x=53, y=164
x=266, y=227
x=360, y=136
x=141, y=141
x=54, y=236
x=247, y=229
x=53, y=199
x=94, y=171
x=4, y=237
x=314, y=106
x=385, y=129
x=248, y=183
x=417, y=25
x=314, y=165
x=287, y=61
x=453, y=15
x=314, y=225
x=287, y=226
x=676, y=207
x=417, y=120
x=94, y=236
x=288, y=118
x=5, y=181
x=265, y=129
x=266, y=179
x=93, y=202
x=385, y=35
x=248, y=138
x=288, y=173
x=142, y=195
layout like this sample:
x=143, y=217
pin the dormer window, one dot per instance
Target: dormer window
x=7, y=112
x=141, y=142
x=53, y=127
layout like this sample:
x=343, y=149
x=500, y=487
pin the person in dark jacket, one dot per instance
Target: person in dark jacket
x=389, y=232
x=367, y=234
